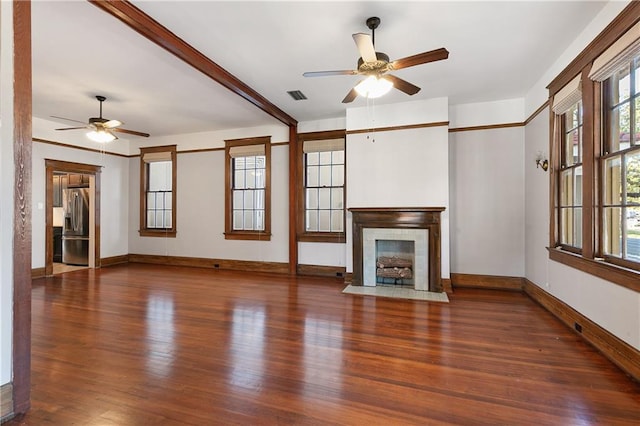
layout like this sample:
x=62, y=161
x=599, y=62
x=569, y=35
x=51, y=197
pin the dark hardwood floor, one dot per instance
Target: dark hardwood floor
x=157, y=345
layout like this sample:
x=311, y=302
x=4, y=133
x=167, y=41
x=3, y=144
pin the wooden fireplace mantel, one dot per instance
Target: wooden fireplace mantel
x=399, y=217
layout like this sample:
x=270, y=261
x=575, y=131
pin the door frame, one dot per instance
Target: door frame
x=94, y=172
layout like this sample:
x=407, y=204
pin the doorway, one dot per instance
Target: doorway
x=63, y=176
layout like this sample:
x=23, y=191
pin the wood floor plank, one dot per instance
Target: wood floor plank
x=140, y=344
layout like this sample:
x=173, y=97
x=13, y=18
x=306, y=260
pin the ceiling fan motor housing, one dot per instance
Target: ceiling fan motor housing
x=378, y=66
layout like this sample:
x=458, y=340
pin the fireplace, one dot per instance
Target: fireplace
x=406, y=241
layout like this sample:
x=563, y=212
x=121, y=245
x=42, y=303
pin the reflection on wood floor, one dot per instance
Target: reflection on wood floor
x=61, y=268
x=158, y=345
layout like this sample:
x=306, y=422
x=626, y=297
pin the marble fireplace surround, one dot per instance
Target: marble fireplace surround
x=388, y=218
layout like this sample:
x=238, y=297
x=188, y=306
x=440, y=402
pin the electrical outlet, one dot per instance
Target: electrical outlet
x=578, y=327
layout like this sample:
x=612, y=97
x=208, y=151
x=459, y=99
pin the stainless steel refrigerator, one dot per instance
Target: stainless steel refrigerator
x=75, y=233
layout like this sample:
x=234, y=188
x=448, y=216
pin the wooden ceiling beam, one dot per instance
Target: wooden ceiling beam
x=160, y=35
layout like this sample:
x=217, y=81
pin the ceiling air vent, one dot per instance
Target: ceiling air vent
x=297, y=95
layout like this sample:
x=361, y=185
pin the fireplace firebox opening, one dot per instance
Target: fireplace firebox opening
x=394, y=262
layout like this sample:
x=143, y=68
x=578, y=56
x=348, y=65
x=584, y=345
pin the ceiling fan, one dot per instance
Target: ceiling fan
x=101, y=129
x=375, y=65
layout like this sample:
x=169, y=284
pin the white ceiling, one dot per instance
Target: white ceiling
x=498, y=50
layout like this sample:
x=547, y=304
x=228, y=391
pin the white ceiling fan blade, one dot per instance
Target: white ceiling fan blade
x=112, y=123
x=365, y=47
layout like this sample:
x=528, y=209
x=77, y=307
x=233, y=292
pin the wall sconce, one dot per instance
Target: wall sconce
x=541, y=161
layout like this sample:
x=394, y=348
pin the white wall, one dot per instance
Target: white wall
x=487, y=202
x=399, y=168
x=200, y=202
x=487, y=113
x=613, y=307
x=538, y=94
x=536, y=192
x=6, y=191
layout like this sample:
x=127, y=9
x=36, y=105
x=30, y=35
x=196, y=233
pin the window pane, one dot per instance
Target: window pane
x=238, y=180
x=577, y=227
x=621, y=85
x=324, y=221
x=336, y=198
x=159, y=200
x=313, y=158
x=637, y=121
x=324, y=198
x=566, y=187
x=336, y=221
x=167, y=219
x=312, y=220
x=237, y=219
x=633, y=234
x=572, y=145
x=338, y=157
x=312, y=176
x=239, y=163
x=260, y=178
x=259, y=199
x=259, y=220
x=612, y=182
x=572, y=117
x=337, y=178
x=261, y=162
x=151, y=219
x=577, y=190
x=633, y=178
x=238, y=198
x=167, y=200
x=325, y=157
x=566, y=226
x=248, y=199
x=312, y=198
x=248, y=219
x=624, y=123
x=637, y=76
x=612, y=234
x=159, y=218
x=151, y=200
x=325, y=175
x=159, y=176
x=250, y=178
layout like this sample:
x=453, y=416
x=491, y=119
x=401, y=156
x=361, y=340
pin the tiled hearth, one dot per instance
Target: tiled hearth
x=418, y=224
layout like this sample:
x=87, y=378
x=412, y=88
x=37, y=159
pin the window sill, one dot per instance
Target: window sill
x=322, y=237
x=247, y=235
x=624, y=277
x=157, y=233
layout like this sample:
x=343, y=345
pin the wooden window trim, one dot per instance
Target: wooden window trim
x=591, y=261
x=229, y=232
x=150, y=232
x=317, y=237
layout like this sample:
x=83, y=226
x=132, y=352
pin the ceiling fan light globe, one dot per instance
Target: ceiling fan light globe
x=373, y=87
x=100, y=136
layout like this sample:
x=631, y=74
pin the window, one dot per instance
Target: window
x=570, y=189
x=621, y=164
x=322, y=187
x=248, y=198
x=596, y=156
x=158, y=191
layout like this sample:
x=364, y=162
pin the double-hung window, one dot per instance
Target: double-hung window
x=568, y=109
x=248, y=195
x=621, y=163
x=158, y=191
x=596, y=157
x=322, y=212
